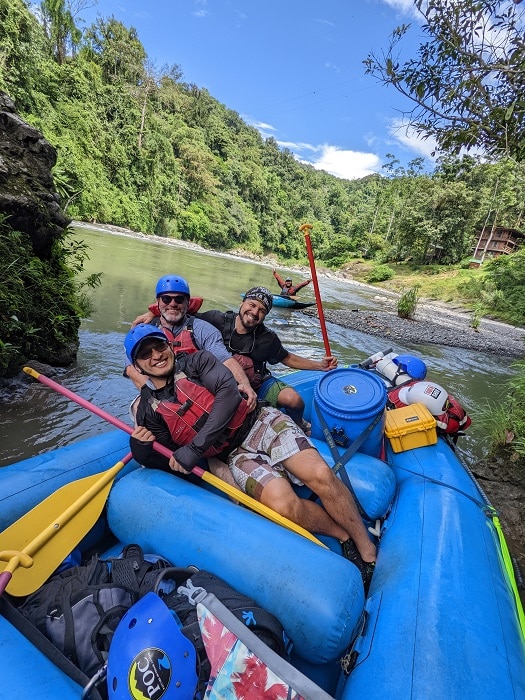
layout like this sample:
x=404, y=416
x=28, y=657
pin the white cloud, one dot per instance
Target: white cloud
x=349, y=165
x=325, y=21
x=332, y=66
x=406, y=6
x=200, y=13
x=403, y=133
x=294, y=146
x=261, y=126
x=346, y=164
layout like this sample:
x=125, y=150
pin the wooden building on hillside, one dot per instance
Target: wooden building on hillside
x=495, y=241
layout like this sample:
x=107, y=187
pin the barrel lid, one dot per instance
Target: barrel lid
x=351, y=391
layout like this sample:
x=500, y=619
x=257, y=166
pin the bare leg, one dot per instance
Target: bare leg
x=279, y=495
x=222, y=470
x=290, y=400
x=311, y=469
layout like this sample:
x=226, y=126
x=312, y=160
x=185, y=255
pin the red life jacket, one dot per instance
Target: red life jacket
x=184, y=342
x=189, y=410
x=451, y=421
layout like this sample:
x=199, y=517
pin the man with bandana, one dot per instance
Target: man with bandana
x=255, y=346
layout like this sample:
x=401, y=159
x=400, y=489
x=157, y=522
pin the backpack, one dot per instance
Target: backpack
x=79, y=609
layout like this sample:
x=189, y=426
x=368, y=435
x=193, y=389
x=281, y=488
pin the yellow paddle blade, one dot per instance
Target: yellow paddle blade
x=258, y=507
x=34, y=546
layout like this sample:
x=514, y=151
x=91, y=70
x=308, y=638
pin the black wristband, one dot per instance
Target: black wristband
x=140, y=450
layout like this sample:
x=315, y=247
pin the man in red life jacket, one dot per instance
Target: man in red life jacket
x=188, y=334
x=191, y=404
x=287, y=288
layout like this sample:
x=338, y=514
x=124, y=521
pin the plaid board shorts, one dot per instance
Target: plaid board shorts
x=257, y=461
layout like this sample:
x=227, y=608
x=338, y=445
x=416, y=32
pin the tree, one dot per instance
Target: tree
x=467, y=83
x=117, y=50
x=59, y=27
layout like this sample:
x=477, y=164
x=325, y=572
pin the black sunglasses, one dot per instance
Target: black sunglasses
x=168, y=298
x=147, y=352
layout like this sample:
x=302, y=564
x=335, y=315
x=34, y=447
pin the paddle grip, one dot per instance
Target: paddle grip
x=5, y=577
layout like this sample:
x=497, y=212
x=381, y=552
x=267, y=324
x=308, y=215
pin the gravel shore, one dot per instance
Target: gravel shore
x=436, y=324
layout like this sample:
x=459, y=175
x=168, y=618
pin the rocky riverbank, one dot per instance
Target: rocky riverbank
x=437, y=324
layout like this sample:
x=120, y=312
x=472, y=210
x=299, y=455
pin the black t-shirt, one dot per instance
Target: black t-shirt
x=263, y=345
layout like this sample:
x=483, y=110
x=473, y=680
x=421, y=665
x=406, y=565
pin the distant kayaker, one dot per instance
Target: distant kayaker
x=192, y=405
x=288, y=289
x=254, y=346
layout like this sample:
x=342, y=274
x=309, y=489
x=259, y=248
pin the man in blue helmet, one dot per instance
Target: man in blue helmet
x=254, y=346
x=188, y=334
x=192, y=406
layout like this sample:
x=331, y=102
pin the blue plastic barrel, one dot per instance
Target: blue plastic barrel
x=349, y=399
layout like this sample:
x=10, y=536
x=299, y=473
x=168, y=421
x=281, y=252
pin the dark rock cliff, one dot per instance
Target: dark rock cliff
x=39, y=314
x=27, y=192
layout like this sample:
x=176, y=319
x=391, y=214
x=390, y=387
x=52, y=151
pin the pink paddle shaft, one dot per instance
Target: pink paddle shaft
x=164, y=451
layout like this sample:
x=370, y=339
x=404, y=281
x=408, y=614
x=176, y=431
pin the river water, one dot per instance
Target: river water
x=34, y=418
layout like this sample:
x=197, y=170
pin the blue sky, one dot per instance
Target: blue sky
x=292, y=69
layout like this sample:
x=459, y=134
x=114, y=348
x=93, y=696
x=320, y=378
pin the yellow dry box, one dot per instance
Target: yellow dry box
x=409, y=427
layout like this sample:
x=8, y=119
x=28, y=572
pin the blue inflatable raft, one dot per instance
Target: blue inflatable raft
x=441, y=619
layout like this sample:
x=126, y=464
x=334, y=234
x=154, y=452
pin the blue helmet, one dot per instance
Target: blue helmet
x=413, y=366
x=169, y=284
x=149, y=652
x=136, y=335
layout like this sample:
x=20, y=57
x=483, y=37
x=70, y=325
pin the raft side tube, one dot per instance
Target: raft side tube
x=316, y=594
x=446, y=609
x=25, y=484
x=28, y=672
x=373, y=480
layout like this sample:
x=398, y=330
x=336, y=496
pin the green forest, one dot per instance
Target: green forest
x=141, y=148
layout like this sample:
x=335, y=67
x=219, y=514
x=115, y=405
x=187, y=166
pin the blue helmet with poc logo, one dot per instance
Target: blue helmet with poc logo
x=151, y=655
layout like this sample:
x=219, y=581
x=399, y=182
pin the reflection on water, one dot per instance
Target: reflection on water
x=34, y=418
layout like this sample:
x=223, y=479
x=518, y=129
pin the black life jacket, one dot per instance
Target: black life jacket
x=188, y=411
x=256, y=371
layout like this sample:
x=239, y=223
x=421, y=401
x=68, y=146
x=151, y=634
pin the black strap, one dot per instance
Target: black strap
x=341, y=460
x=228, y=326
